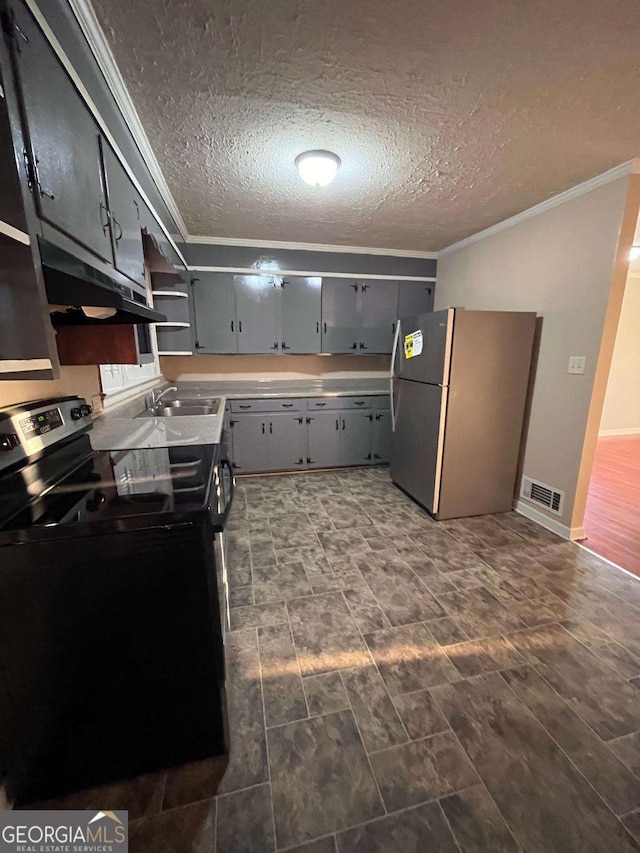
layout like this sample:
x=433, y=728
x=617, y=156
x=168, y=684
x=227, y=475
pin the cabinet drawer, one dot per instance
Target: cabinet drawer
x=268, y=405
x=382, y=402
x=314, y=403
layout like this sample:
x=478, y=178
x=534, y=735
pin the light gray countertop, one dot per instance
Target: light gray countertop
x=122, y=429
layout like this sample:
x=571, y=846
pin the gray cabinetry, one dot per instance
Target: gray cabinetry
x=258, y=313
x=125, y=206
x=381, y=437
x=414, y=297
x=355, y=438
x=214, y=308
x=340, y=326
x=265, y=441
x=287, y=441
x=324, y=439
x=301, y=314
x=377, y=304
x=62, y=142
x=250, y=450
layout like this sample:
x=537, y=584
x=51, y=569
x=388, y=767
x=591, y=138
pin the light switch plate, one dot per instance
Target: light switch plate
x=577, y=364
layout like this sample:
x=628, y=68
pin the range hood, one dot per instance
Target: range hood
x=73, y=286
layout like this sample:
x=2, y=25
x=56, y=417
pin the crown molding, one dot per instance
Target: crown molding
x=631, y=167
x=310, y=247
x=88, y=22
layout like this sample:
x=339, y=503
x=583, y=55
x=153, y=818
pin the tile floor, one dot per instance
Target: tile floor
x=399, y=684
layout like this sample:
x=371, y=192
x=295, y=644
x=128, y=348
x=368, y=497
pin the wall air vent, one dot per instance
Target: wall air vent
x=540, y=493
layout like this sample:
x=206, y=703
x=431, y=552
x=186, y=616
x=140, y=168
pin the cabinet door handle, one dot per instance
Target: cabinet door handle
x=343, y=423
x=362, y=346
x=319, y=405
x=41, y=189
x=104, y=222
x=119, y=227
x=233, y=326
x=270, y=427
x=337, y=424
x=358, y=402
x=324, y=328
x=263, y=429
x=246, y=406
x=318, y=328
x=240, y=325
x=287, y=405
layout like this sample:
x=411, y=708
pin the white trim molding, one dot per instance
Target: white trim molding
x=86, y=18
x=307, y=273
x=14, y=233
x=604, y=433
x=311, y=247
x=545, y=521
x=23, y=365
x=631, y=167
x=607, y=560
x=93, y=109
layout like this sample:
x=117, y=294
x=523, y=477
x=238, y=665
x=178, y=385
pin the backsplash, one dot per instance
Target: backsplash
x=211, y=367
x=84, y=381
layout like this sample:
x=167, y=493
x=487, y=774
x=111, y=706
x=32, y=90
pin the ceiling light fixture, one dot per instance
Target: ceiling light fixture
x=317, y=168
x=634, y=253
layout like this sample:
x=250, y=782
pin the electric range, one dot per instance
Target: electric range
x=113, y=603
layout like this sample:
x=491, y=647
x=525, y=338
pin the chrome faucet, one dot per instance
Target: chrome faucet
x=155, y=400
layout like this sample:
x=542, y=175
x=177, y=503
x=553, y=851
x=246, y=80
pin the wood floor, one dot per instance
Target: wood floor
x=612, y=520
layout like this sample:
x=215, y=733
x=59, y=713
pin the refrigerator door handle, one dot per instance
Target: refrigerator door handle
x=394, y=351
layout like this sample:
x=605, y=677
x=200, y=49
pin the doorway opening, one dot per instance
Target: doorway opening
x=612, y=514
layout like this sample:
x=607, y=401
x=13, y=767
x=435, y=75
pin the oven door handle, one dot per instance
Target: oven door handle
x=226, y=463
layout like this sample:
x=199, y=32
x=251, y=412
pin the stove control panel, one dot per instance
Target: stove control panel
x=28, y=429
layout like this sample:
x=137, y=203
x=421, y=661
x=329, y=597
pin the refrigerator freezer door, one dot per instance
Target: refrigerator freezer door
x=428, y=359
x=416, y=457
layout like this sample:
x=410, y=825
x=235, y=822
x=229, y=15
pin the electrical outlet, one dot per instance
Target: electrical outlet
x=577, y=364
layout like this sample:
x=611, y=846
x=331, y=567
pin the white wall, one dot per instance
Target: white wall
x=559, y=263
x=621, y=413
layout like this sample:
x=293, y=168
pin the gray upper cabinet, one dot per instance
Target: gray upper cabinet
x=125, y=207
x=415, y=297
x=214, y=309
x=378, y=305
x=62, y=141
x=258, y=313
x=340, y=322
x=301, y=314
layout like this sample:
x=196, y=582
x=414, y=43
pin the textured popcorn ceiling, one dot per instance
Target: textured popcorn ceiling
x=449, y=115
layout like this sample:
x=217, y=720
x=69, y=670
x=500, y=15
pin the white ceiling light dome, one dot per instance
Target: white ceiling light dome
x=318, y=167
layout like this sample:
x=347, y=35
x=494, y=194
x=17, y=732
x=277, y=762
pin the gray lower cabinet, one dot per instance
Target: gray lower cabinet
x=378, y=305
x=317, y=438
x=269, y=441
x=287, y=441
x=324, y=439
x=125, y=207
x=250, y=443
x=414, y=297
x=340, y=325
x=381, y=437
x=62, y=141
x=258, y=313
x=214, y=310
x=355, y=437
x=301, y=314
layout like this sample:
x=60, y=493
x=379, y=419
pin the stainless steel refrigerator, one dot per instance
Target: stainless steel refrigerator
x=459, y=389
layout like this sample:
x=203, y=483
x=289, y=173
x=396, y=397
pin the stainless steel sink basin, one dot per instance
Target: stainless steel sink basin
x=183, y=408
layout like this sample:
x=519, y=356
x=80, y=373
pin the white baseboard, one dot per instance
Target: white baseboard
x=626, y=431
x=551, y=524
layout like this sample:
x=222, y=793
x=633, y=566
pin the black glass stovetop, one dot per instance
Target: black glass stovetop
x=77, y=487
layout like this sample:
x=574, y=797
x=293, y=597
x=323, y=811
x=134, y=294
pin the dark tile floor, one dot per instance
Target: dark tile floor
x=400, y=684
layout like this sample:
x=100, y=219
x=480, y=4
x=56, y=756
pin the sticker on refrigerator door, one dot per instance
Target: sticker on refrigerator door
x=413, y=344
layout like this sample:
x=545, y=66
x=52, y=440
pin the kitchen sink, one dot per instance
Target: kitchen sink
x=183, y=408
